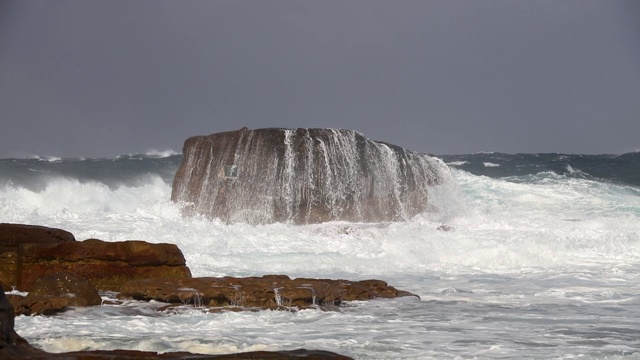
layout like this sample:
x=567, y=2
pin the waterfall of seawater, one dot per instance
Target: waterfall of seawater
x=303, y=176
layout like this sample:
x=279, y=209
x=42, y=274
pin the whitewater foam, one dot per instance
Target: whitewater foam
x=457, y=163
x=497, y=225
x=44, y=158
x=161, y=153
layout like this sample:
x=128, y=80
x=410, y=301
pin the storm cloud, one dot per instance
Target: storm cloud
x=102, y=78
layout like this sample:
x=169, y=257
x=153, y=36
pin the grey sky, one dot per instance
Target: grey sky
x=102, y=78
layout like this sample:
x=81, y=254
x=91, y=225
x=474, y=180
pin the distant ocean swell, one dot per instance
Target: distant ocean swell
x=622, y=169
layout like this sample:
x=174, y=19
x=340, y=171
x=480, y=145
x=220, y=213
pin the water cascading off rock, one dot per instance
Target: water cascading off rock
x=302, y=176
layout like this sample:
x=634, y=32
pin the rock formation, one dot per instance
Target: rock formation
x=55, y=292
x=302, y=176
x=270, y=291
x=106, y=265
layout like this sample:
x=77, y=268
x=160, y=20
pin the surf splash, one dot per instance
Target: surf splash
x=303, y=176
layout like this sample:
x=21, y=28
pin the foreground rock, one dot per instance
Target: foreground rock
x=12, y=236
x=269, y=292
x=12, y=346
x=55, y=292
x=106, y=265
x=32, y=254
x=302, y=176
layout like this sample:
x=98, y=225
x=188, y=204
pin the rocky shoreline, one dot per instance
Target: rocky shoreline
x=13, y=346
x=56, y=272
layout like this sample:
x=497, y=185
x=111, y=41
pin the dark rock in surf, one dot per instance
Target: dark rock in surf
x=302, y=176
x=266, y=292
x=12, y=346
x=55, y=292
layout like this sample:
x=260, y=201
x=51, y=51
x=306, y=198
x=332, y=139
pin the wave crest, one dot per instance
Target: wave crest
x=161, y=153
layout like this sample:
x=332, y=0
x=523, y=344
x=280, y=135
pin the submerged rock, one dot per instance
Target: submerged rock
x=302, y=176
x=270, y=292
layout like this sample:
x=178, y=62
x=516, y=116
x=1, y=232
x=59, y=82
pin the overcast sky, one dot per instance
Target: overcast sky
x=102, y=78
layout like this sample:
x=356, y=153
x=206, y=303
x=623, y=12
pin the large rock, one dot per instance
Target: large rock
x=302, y=176
x=54, y=292
x=12, y=236
x=271, y=291
x=12, y=346
x=106, y=265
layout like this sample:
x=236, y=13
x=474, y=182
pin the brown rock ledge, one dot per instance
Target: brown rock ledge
x=12, y=236
x=29, y=252
x=54, y=292
x=267, y=292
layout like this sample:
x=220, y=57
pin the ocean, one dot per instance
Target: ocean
x=538, y=258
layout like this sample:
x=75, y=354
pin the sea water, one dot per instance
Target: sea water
x=531, y=256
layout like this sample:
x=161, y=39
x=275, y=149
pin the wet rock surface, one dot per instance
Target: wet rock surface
x=13, y=236
x=267, y=292
x=29, y=252
x=54, y=292
x=302, y=176
x=106, y=265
